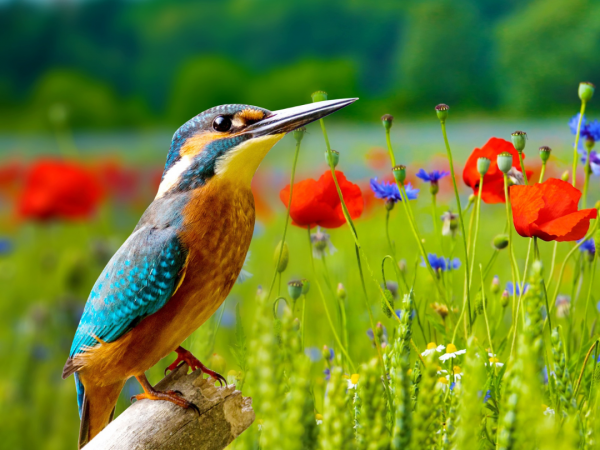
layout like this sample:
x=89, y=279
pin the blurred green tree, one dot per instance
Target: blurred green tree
x=544, y=50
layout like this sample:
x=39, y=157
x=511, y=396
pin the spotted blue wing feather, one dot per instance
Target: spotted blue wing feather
x=137, y=282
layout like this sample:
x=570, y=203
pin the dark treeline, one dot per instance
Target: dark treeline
x=127, y=63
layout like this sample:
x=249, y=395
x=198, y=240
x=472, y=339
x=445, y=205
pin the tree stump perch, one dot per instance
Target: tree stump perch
x=155, y=424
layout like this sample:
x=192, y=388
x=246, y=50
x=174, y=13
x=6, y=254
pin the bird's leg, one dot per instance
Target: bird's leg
x=171, y=396
x=185, y=356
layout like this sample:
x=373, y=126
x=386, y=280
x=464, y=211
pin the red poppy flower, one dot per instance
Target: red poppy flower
x=59, y=189
x=549, y=211
x=317, y=202
x=493, y=181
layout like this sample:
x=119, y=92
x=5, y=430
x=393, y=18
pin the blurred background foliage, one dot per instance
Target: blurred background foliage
x=121, y=64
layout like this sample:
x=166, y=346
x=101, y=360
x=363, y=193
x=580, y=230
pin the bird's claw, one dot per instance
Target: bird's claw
x=185, y=357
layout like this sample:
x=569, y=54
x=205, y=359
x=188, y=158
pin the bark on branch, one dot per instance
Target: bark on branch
x=152, y=425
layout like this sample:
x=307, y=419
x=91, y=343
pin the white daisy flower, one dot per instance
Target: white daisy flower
x=452, y=352
x=431, y=348
x=548, y=411
x=353, y=381
x=494, y=361
x=319, y=419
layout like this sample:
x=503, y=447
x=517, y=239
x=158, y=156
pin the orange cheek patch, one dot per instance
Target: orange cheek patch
x=251, y=115
x=194, y=145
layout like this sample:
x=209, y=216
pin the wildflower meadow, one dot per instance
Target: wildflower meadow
x=448, y=305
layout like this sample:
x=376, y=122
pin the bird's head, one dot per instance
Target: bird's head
x=229, y=142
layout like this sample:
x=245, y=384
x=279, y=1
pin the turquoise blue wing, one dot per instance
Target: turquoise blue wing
x=138, y=281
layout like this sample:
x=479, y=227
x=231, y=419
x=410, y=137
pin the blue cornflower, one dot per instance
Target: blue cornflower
x=589, y=130
x=327, y=374
x=588, y=246
x=509, y=288
x=389, y=191
x=432, y=177
x=441, y=264
x=5, y=246
x=488, y=395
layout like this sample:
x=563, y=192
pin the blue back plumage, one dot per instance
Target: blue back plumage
x=138, y=280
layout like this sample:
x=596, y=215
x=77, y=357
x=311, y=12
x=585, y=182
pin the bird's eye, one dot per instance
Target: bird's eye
x=222, y=123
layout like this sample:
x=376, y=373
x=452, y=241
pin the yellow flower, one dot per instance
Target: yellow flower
x=353, y=381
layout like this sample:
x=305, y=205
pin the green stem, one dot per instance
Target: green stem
x=434, y=216
x=467, y=296
x=522, y=163
x=303, y=312
x=575, y=152
x=542, y=172
x=487, y=324
x=287, y=217
x=589, y=294
x=387, y=231
x=588, y=172
x=411, y=220
x=476, y=228
x=564, y=264
x=335, y=335
x=512, y=263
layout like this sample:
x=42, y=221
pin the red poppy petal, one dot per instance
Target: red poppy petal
x=493, y=190
x=570, y=227
x=526, y=203
x=560, y=198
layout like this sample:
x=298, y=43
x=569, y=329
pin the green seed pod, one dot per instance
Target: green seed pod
x=387, y=120
x=341, y=292
x=285, y=257
x=500, y=242
x=295, y=289
x=442, y=112
x=565, y=176
x=319, y=96
x=305, y=286
x=586, y=91
x=483, y=165
x=399, y=172
x=390, y=299
x=504, y=162
x=545, y=153
x=299, y=134
x=335, y=158
x=519, y=139
x=389, y=204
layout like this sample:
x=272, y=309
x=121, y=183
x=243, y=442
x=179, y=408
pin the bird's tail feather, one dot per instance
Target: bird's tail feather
x=96, y=407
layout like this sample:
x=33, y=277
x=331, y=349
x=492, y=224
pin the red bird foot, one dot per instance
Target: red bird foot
x=150, y=393
x=185, y=357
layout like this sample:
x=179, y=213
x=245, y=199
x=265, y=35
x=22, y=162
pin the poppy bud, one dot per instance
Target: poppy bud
x=434, y=187
x=305, y=286
x=390, y=299
x=479, y=303
x=589, y=143
x=483, y=165
x=586, y=91
x=387, y=120
x=285, y=256
x=442, y=112
x=545, y=153
x=500, y=242
x=495, y=288
x=319, y=96
x=565, y=176
x=332, y=158
x=472, y=198
x=389, y=204
x=504, y=162
x=341, y=292
x=295, y=289
x=399, y=173
x=518, y=139
x=299, y=134
x=504, y=298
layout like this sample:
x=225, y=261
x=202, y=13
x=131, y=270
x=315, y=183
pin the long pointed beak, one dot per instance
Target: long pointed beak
x=286, y=120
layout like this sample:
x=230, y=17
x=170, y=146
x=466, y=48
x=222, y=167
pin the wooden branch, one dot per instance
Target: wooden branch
x=155, y=424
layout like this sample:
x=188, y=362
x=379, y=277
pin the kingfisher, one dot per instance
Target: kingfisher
x=181, y=260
